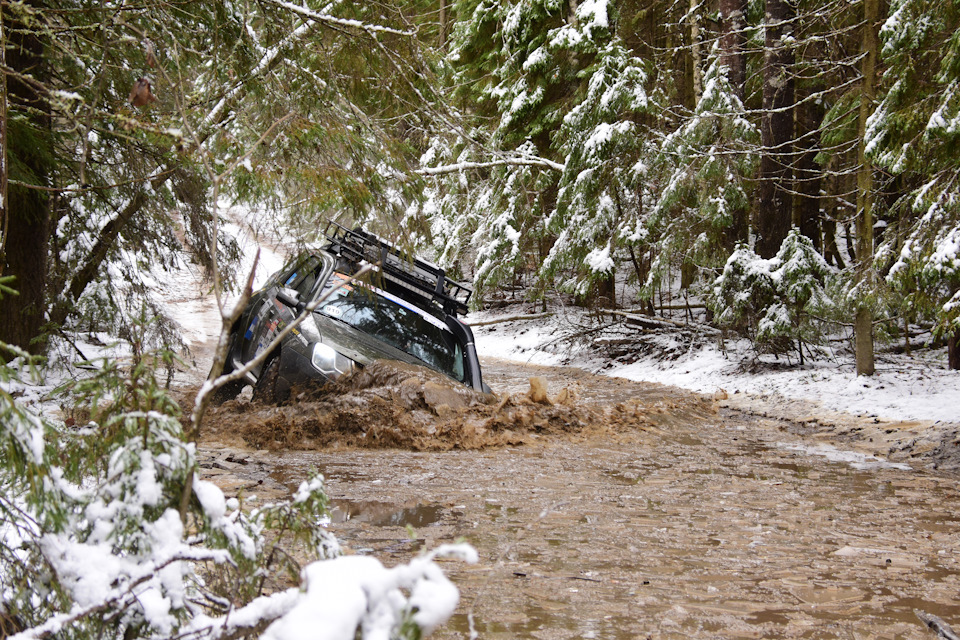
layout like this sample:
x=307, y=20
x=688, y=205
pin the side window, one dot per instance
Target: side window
x=291, y=271
x=304, y=281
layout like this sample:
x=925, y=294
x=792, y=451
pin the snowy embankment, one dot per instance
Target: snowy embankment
x=904, y=388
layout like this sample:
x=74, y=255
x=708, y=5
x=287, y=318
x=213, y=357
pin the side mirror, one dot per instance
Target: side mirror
x=291, y=298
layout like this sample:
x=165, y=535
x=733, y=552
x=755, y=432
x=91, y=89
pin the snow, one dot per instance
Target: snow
x=594, y=13
x=855, y=459
x=349, y=593
x=538, y=57
x=211, y=499
x=903, y=389
x=335, y=603
x=599, y=260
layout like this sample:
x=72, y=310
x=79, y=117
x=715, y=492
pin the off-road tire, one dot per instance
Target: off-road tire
x=265, y=391
x=228, y=391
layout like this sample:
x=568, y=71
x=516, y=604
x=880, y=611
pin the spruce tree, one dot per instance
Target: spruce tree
x=708, y=165
x=135, y=111
x=913, y=133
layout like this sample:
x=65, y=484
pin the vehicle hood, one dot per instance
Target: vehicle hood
x=359, y=346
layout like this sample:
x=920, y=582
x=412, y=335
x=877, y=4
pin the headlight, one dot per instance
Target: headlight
x=329, y=362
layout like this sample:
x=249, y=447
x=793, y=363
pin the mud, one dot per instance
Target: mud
x=628, y=510
x=394, y=405
x=929, y=444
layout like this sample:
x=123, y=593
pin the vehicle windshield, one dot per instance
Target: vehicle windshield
x=393, y=321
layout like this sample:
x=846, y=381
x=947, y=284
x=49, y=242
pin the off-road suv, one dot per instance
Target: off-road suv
x=404, y=308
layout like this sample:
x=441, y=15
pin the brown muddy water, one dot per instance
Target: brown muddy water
x=613, y=509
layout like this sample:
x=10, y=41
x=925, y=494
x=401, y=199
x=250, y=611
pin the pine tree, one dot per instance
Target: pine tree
x=97, y=540
x=599, y=192
x=743, y=292
x=708, y=163
x=564, y=98
x=913, y=133
x=772, y=301
x=801, y=277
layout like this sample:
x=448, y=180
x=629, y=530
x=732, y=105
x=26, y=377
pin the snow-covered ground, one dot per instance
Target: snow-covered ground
x=904, y=388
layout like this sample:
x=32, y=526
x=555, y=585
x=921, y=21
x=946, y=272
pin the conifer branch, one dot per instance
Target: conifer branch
x=527, y=161
x=328, y=19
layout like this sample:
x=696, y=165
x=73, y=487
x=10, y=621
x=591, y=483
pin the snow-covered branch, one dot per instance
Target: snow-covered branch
x=328, y=19
x=266, y=62
x=467, y=166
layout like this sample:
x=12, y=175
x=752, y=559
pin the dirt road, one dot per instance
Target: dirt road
x=648, y=512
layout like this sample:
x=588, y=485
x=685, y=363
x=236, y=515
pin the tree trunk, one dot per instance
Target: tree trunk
x=776, y=129
x=603, y=295
x=830, y=250
x=695, y=51
x=808, y=176
x=732, y=43
x=26, y=229
x=607, y=293
x=444, y=19
x=863, y=323
x=63, y=307
x=953, y=351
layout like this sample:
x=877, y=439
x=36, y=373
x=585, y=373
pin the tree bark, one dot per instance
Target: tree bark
x=444, y=19
x=953, y=351
x=830, y=250
x=776, y=129
x=808, y=176
x=863, y=322
x=27, y=223
x=732, y=43
x=695, y=51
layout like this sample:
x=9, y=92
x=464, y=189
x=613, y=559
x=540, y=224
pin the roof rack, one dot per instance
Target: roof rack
x=423, y=278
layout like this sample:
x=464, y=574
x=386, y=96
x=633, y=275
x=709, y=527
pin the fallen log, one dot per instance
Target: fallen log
x=535, y=316
x=660, y=323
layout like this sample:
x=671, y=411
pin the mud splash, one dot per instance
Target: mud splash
x=394, y=405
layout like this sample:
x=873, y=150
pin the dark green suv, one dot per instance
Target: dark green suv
x=402, y=309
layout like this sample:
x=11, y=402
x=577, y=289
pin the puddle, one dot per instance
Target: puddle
x=855, y=459
x=383, y=514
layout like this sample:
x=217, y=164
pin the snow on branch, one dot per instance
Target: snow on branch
x=466, y=166
x=265, y=63
x=326, y=18
x=273, y=53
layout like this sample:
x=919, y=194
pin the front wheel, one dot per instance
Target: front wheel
x=228, y=391
x=265, y=391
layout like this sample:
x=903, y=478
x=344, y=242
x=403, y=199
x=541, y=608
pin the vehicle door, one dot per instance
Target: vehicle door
x=270, y=316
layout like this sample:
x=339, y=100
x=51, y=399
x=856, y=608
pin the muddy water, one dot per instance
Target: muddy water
x=698, y=523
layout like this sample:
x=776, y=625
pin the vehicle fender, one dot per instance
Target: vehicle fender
x=295, y=368
x=471, y=361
